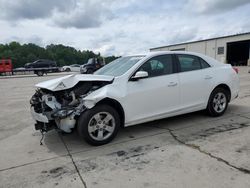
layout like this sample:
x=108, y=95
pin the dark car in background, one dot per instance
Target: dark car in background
x=42, y=66
x=41, y=63
x=92, y=65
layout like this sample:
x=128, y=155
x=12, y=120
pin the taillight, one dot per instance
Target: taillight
x=236, y=69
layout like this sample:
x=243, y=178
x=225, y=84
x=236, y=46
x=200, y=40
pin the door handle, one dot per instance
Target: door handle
x=172, y=84
x=208, y=77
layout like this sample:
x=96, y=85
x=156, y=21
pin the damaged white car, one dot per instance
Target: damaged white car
x=132, y=90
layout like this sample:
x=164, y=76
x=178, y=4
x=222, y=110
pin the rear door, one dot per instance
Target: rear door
x=195, y=76
x=156, y=95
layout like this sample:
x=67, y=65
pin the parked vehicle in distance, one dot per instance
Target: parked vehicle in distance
x=71, y=68
x=133, y=90
x=92, y=65
x=42, y=66
x=41, y=63
x=6, y=65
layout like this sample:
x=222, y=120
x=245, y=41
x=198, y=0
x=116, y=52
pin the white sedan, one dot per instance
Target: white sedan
x=71, y=68
x=133, y=90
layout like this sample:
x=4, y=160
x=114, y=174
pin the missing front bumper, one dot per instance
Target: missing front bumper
x=45, y=127
x=38, y=116
x=42, y=122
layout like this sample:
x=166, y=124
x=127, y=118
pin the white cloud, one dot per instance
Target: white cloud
x=215, y=6
x=86, y=14
x=32, y=9
x=121, y=27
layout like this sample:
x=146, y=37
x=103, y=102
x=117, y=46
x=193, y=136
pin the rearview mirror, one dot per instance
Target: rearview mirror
x=139, y=75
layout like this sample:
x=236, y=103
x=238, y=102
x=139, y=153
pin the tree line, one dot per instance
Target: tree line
x=63, y=55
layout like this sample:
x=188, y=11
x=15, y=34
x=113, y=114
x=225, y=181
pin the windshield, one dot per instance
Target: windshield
x=90, y=61
x=119, y=66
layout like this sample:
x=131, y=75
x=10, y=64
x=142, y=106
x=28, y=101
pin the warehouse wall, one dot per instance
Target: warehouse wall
x=208, y=47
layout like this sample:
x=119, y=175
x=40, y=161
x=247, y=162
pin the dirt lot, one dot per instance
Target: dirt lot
x=192, y=150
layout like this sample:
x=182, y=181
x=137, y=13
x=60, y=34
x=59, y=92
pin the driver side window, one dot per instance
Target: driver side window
x=158, y=66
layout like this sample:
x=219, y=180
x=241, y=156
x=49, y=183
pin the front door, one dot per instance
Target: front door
x=152, y=97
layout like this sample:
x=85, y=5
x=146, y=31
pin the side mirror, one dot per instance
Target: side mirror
x=139, y=75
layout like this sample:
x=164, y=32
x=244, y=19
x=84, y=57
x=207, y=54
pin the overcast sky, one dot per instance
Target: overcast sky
x=119, y=27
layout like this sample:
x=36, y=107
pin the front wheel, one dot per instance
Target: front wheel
x=218, y=102
x=99, y=125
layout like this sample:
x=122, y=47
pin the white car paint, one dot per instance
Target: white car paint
x=72, y=68
x=144, y=94
x=70, y=81
x=156, y=97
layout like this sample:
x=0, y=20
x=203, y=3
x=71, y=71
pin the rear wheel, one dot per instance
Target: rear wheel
x=218, y=102
x=99, y=125
x=40, y=73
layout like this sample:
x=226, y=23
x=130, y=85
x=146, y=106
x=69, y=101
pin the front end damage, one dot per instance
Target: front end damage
x=60, y=109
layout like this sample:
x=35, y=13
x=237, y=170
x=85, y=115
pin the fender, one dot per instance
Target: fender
x=107, y=91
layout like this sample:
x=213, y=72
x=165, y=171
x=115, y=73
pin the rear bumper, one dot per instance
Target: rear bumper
x=235, y=86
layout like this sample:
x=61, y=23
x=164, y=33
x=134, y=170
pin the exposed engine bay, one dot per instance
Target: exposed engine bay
x=61, y=108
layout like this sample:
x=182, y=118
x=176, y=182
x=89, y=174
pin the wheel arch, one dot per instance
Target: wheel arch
x=115, y=104
x=67, y=69
x=226, y=87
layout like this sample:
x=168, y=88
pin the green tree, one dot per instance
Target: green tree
x=63, y=55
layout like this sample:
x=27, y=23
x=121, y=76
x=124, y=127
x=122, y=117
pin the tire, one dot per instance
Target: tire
x=218, y=102
x=90, y=71
x=67, y=70
x=90, y=125
x=40, y=73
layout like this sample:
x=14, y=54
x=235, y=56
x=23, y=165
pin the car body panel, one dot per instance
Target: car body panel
x=143, y=91
x=226, y=75
x=73, y=68
x=195, y=87
x=70, y=81
x=41, y=63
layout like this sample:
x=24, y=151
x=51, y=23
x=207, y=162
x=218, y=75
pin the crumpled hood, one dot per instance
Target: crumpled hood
x=70, y=81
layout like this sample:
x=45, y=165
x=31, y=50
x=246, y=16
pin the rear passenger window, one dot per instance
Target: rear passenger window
x=188, y=62
x=204, y=64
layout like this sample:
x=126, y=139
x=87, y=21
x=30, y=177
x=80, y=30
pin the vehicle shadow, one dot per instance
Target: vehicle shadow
x=195, y=126
x=75, y=143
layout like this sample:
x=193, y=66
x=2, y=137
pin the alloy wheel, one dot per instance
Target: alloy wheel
x=219, y=102
x=101, y=126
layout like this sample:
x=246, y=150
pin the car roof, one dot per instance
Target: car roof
x=167, y=52
x=208, y=59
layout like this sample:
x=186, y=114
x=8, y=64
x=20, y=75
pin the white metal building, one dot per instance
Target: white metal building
x=233, y=49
